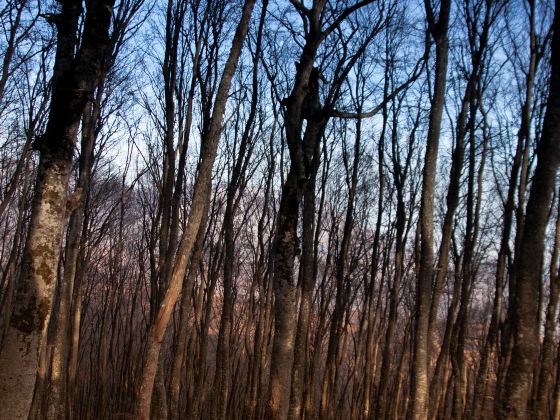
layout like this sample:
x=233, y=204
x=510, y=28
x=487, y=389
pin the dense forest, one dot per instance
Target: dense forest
x=293, y=209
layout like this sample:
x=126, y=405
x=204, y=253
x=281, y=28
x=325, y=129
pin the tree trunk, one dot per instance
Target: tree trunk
x=543, y=388
x=57, y=394
x=307, y=273
x=285, y=250
x=179, y=356
x=74, y=78
x=525, y=335
x=201, y=198
x=420, y=386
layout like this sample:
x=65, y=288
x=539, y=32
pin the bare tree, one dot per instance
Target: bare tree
x=437, y=26
x=74, y=78
x=525, y=335
x=201, y=195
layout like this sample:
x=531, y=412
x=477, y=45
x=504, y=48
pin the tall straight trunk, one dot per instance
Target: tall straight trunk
x=373, y=310
x=58, y=398
x=307, y=273
x=172, y=185
x=474, y=199
x=234, y=191
x=556, y=393
x=223, y=359
x=491, y=341
x=57, y=394
x=115, y=273
x=76, y=320
x=543, y=388
x=384, y=400
x=420, y=386
x=525, y=335
x=203, y=313
x=452, y=199
x=524, y=142
x=286, y=243
x=302, y=103
x=439, y=381
x=201, y=196
x=74, y=78
x=308, y=270
x=400, y=222
x=179, y=354
x=315, y=355
x=260, y=276
x=341, y=300
x=284, y=299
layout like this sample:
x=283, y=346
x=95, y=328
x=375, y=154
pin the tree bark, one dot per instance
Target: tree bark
x=74, y=78
x=420, y=386
x=525, y=335
x=544, y=380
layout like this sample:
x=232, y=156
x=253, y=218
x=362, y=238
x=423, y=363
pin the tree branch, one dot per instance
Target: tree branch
x=347, y=12
x=415, y=74
x=300, y=8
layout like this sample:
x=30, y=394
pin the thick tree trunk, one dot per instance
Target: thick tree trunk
x=57, y=394
x=74, y=77
x=286, y=243
x=543, y=388
x=525, y=144
x=285, y=249
x=526, y=336
x=307, y=273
